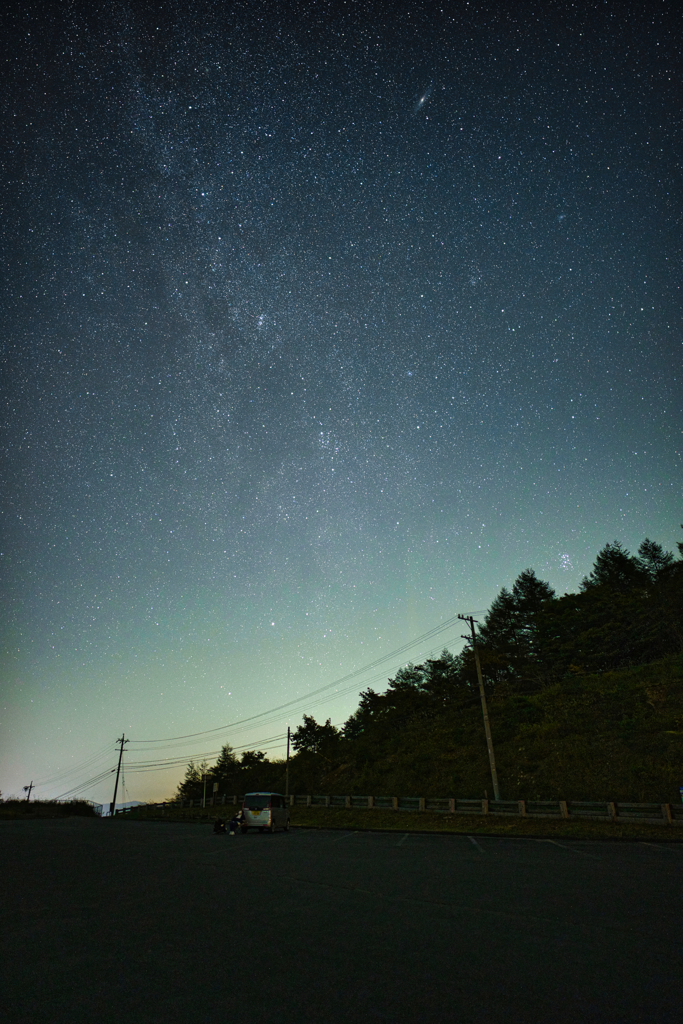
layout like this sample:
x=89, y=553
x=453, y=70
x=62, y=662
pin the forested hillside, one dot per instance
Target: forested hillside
x=585, y=697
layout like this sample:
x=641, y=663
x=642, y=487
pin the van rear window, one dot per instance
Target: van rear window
x=256, y=803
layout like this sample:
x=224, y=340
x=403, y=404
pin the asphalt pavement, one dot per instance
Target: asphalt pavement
x=151, y=922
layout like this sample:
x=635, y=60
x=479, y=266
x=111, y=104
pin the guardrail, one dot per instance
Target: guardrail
x=597, y=810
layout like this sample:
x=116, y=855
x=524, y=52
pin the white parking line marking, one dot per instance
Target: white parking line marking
x=475, y=843
x=402, y=841
x=571, y=849
x=339, y=838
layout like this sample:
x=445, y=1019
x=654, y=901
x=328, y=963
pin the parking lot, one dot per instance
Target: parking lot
x=143, y=922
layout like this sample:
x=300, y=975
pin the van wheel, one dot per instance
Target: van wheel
x=271, y=830
x=287, y=826
x=244, y=829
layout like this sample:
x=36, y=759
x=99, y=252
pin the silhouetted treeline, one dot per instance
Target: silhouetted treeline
x=628, y=611
x=598, y=672
x=47, y=809
x=250, y=772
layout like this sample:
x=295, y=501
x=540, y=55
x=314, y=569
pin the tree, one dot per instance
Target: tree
x=530, y=596
x=615, y=568
x=498, y=631
x=252, y=759
x=362, y=717
x=226, y=770
x=227, y=762
x=193, y=778
x=653, y=560
x=629, y=611
x=445, y=682
x=256, y=772
x=313, y=737
x=663, y=600
x=511, y=635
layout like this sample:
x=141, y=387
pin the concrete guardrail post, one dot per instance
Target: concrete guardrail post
x=484, y=807
x=564, y=811
x=667, y=814
x=451, y=805
x=394, y=803
x=521, y=804
x=612, y=810
x=327, y=801
x=309, y=800
x=347, y=801
x=421, y=804
x=371, y=802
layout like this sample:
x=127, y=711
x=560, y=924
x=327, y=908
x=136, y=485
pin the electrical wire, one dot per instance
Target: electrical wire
x=310, y=705
x=430, y=634
x=147, y=766
x=275, y=746
x=80, y=767
x=269, y=741
x=86, y=785
x=182, y=759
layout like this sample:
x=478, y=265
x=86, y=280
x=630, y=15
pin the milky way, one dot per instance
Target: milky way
x=320, y=324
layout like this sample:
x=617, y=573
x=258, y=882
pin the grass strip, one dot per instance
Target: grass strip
x=359, y=819
x=12, y=809
x=424, y=821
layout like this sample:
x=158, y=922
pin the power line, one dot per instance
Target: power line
x=86, y=785
x=182, y=759
x=303, y=700
x=161, y=768
x=81, y=766
x=430, y=634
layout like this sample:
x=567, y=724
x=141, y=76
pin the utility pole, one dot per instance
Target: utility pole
x=27, y=790
x=484, y=707
x=287, y=768
x=112, y=805
x=204, y=797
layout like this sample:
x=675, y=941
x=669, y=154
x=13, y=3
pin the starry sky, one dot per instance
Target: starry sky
x=320, y=323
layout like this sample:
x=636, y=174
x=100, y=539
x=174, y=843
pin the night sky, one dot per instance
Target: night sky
x=320, y=323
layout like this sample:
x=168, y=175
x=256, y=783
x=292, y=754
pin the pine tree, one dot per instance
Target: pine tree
x=653, y=560
x=510, y=636
x=615, y=568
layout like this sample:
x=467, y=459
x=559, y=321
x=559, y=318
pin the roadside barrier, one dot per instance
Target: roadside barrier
x=597, y=810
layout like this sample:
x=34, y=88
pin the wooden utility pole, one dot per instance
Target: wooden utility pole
x=287, y=768
x=27, y=790
x=112, y=805
x=484, y=707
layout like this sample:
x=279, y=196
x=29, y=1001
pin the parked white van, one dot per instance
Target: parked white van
x=265, y=811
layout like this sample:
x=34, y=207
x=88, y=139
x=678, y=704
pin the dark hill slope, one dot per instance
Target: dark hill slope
x=617, y=735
